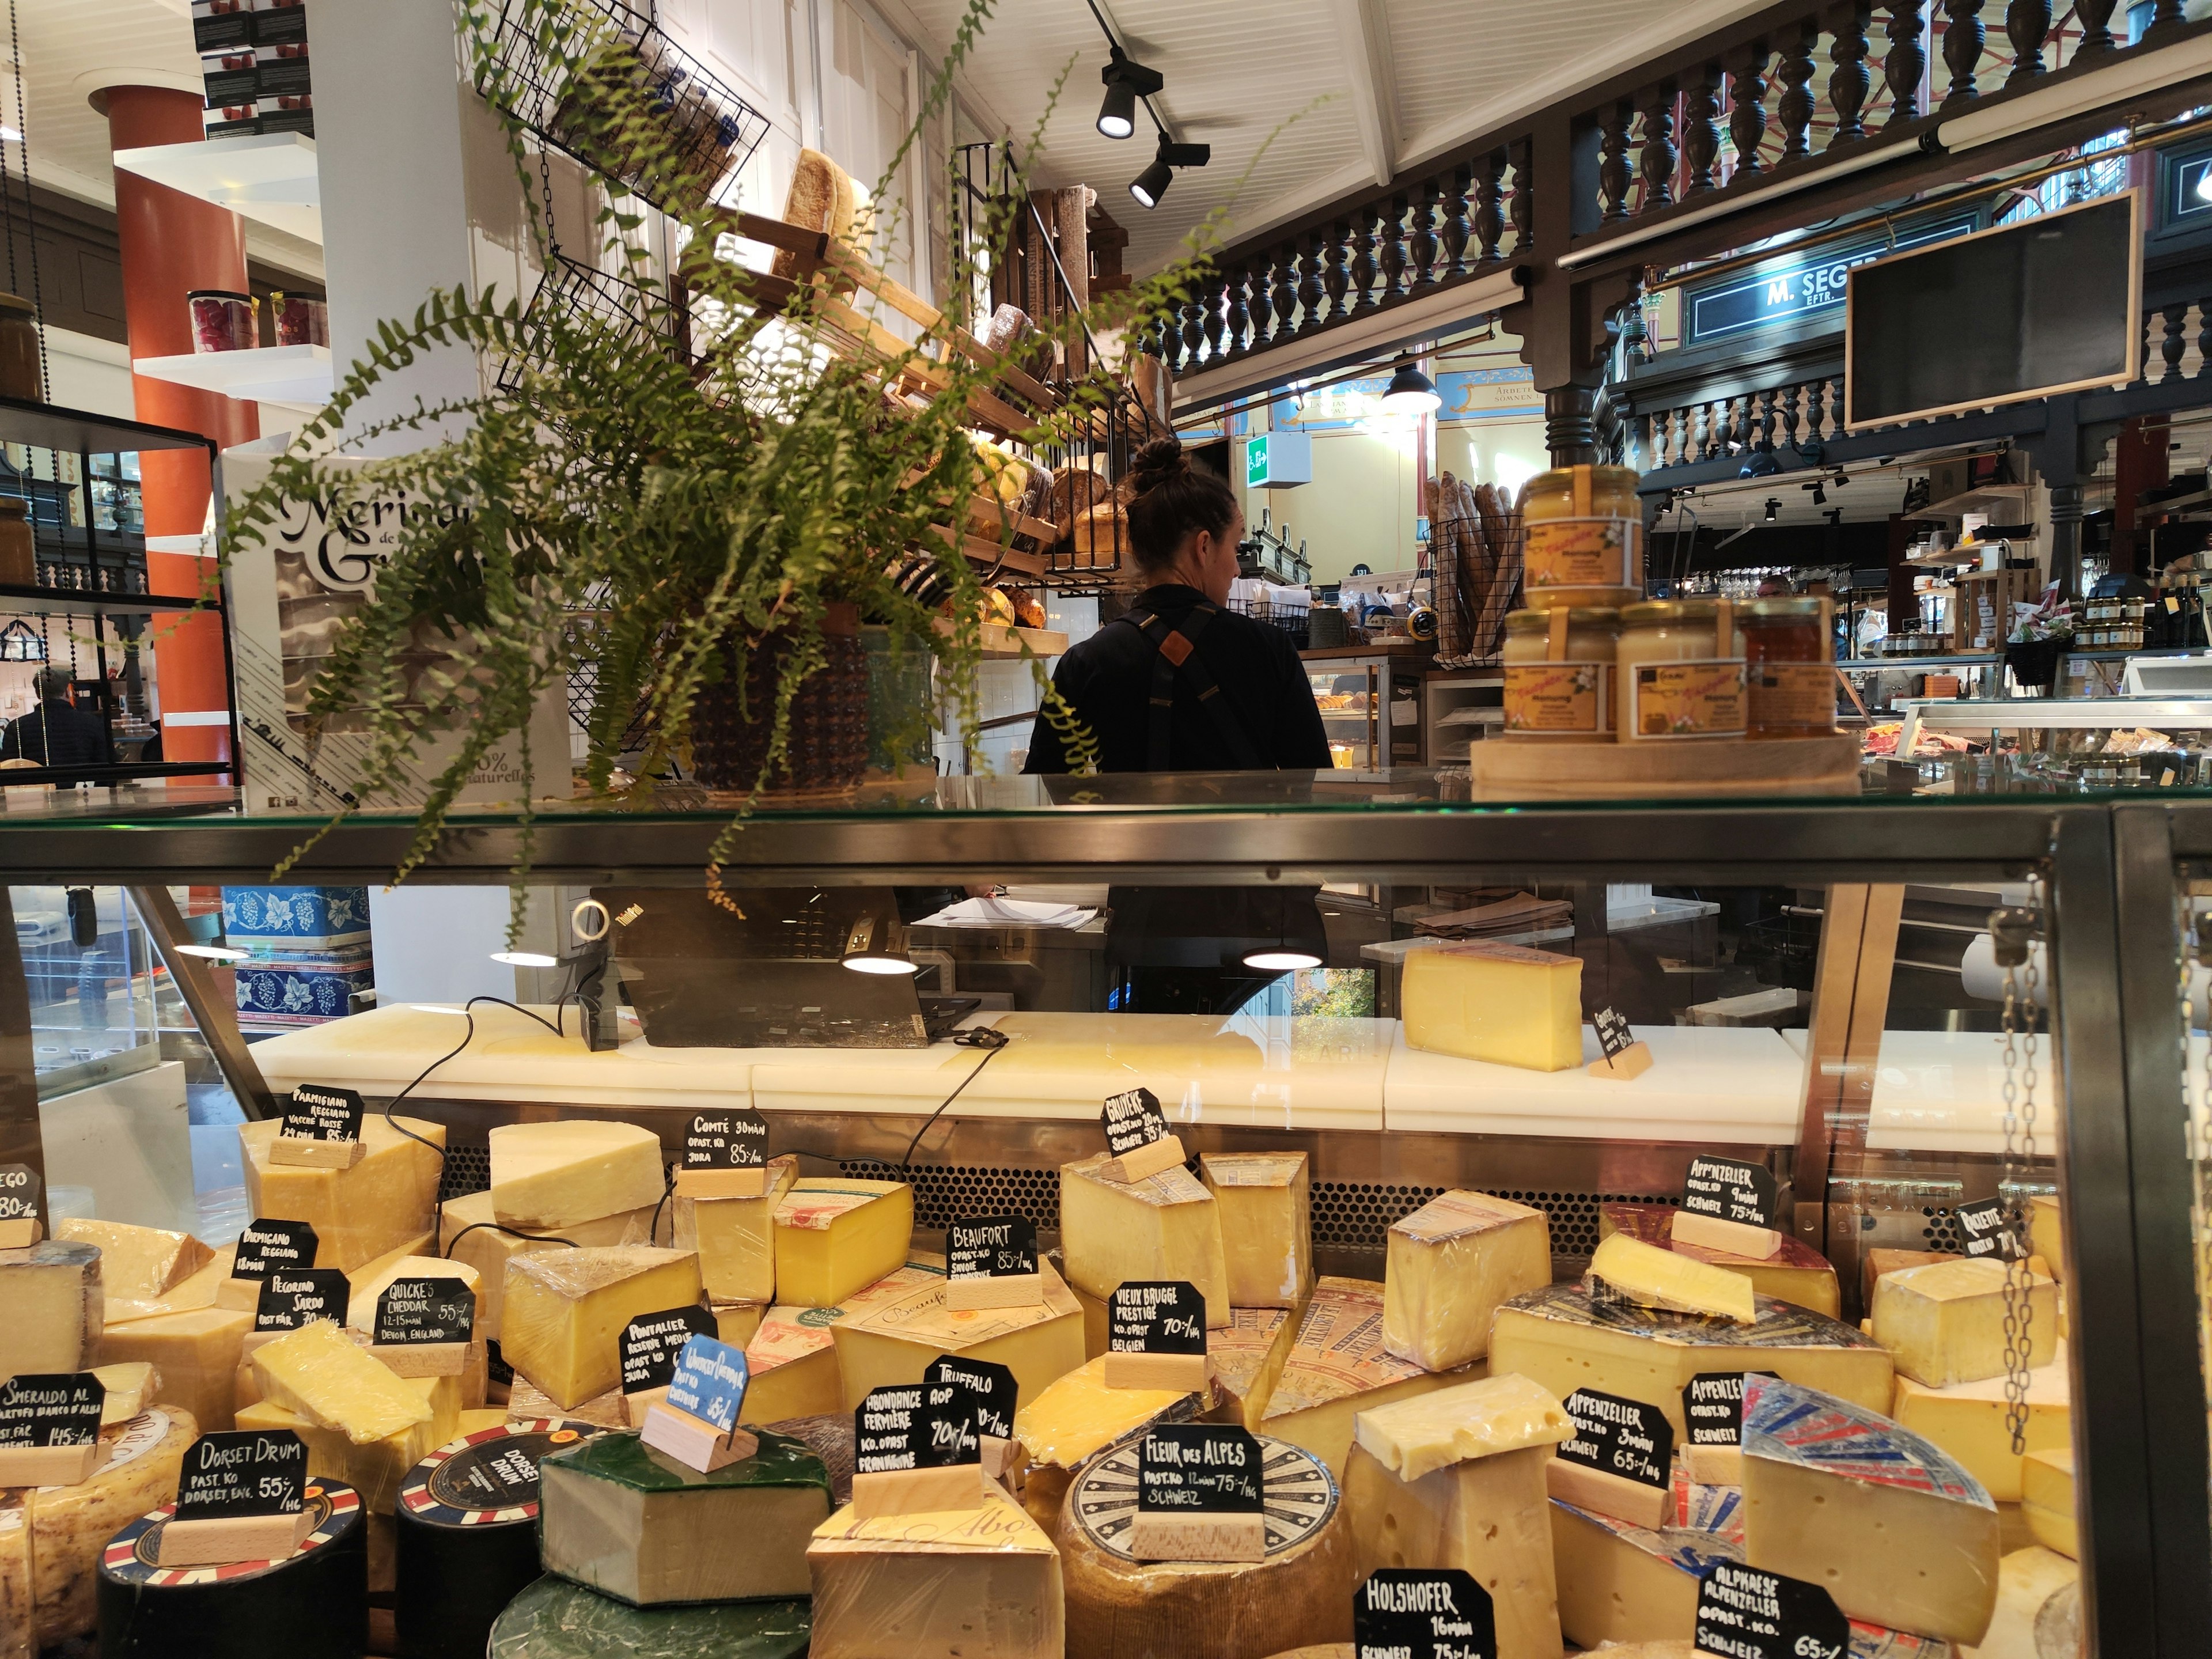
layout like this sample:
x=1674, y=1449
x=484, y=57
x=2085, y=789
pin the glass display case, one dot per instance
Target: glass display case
x=1455, y=1084
x=1370, y=705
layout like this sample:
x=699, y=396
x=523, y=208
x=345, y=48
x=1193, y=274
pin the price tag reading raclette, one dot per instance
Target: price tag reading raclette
x=1213, y=1468
x=709, y=1383
x=425, y=1310
x=242, y=1472
x=1985, y=1229
x=268, y=1246
x=992, y=1247
x=56, y=1408
x=922, y=1425
x=732, y=1139
x=1730, y=1189
x=320, y=1113
x=1132, y=1121
x=652, y=1343
x=993, y=1388
x=1423, y=1613
x=1746, y=1614
x=291, y=1297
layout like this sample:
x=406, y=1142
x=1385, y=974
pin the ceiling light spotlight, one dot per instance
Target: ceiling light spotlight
x=1282, y=961
x=1153, y=183
x=1126, y=81
x=1410, y=391
x=1773, y=509
x=1841, y=478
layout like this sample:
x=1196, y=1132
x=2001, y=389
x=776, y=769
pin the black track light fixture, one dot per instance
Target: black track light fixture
x=1773, y=509
x=1126, y=81
x=1153, y=183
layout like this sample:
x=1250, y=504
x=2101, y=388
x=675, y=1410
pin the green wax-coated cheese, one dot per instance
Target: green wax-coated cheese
x=556, y=1619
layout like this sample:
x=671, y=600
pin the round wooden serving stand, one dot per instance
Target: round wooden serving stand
x=1525, y=768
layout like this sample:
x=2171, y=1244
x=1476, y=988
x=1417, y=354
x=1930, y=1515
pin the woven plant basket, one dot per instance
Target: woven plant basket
x=829, y=744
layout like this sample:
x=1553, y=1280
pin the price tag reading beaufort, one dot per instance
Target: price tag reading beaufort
x=291, y=1299
x=317, y=1113
x=992, y=1247
x=652, y=1343
x=709, y=1383
x=235, y=1472
x=425, y=1310
x=1746, y=1614
x=1729, y=1189
x=992, y=1387
x=734, y=1139
x=268, y=1246
x=1423, y=1613
x=1208, y=1467
x=1986, y=1230
x=19, y=1193
x=926, y=1425
x=58, y=1408
x=1132, y=1121
x=1624, y=1438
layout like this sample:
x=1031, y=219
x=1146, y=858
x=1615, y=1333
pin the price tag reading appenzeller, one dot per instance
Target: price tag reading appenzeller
x=1423, y=1613
x=1625, y=1437
x=1731, y=1189
x=235, y=1472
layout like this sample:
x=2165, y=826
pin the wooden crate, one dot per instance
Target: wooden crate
x=2004, y=592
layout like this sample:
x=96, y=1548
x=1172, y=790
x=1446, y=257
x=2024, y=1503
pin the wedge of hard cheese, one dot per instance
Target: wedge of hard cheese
x=1338, y=1368
x=136, y=1261
x=1628, y=1270
x=1266, y=1226
x=564, y=1313
x=194, y=1355
x=2047, y=1499
x=735, y=1238
x=53, y=1308
x=1448, y=1266
x=324, y=1376
x=1501, y=1003
x=468, y=1232
x=360, y=1213
x=891, y=1344
x=1165, y=1226
x=1795, y=1273
x=1945, y=1323
x=1967, y=1420
x=1078, y=1417
x=1248, y=1356
x=836, y=1237
x=546, y=1176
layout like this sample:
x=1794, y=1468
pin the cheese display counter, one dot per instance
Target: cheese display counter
x=797, y=1265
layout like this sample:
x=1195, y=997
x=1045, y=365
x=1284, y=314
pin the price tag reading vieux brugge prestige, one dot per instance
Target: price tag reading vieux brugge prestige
x=291, y=1297
x=425, y=1310
x=239, y=1471
x=1132, y=1121
x=268, y=1246
x=924, y=1425
x=652, y=1343
x=1156, y=1316
x=1746, y=1614
x=1985, y=1229
x=1620, y=1437
x=1203, y=1468
x=993, y=1388
x=58, y=1408
x=732, y=1140
x=991, y=1247
x=318, y=1112
x=1731, y=1189
x=1423, y=1613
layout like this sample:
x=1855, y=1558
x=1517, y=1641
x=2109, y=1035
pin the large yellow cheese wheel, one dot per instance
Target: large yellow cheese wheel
x=71, y=1525
x=1121, y=1608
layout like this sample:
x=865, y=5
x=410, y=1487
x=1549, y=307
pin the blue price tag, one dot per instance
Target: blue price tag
x=710, y=1381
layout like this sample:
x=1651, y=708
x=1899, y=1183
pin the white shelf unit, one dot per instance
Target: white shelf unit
x=270, y=178
x=296, y=375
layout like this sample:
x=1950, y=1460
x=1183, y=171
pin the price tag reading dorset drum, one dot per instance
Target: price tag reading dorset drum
x=1211, y=1469
x=1423, y=1613
x=992, y=1387
x=318, y=1112
x=992, y=1247
x=291, y=1297
x=1730, y=1189
x=237, y=1472
x=1985, y=1229
x=1746, y=1614
x=732, y=1140
x=926, y=1425
x=55, y=1408
x=425, y=1310
x=652, y=1343
x=1613, y=1035
x=268, y=1246
x=1624, y=1438
x=1132, y=1121
x=19, y=1193
x=709, y=1381
x=1156, y=1316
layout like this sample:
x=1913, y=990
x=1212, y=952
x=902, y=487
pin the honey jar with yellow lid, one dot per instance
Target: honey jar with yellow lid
x=1582, y=537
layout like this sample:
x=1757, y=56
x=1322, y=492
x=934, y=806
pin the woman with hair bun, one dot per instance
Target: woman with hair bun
x=1177, y=683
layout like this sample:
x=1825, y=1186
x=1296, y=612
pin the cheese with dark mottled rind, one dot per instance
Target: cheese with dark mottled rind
x=554, y=1619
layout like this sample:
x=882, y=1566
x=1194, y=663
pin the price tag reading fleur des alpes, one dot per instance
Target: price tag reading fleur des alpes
x=318, y=1112
x=1211, y=1469
x=1984, y=1229
x=730, y=1139
x=1423, y=1613
x=237, y=1472
x=1746, y=1614
x=58, y=1408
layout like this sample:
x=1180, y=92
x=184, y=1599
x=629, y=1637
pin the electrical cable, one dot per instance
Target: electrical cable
x=653, y=1227
x=981, y=1036
x=511, y=1232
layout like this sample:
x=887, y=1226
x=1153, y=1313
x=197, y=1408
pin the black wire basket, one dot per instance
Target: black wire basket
x=572, y=289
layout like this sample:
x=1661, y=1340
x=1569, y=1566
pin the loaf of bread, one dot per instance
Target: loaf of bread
x=1009, y=326
x=821, y=197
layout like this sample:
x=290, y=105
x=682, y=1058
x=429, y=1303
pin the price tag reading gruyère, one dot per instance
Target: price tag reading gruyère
x=291, y=1298
x=652, y=1343
x=1730, y=1189
x=235, y=1472
x=1211, y=1469
x=991, y=1247
x=1746, y=1614
x=925, y=1425
x=1620, y=1437
x=58, y=1408
x=992, y=1387
x=1984, y=1229
x=425, y=1310
x=320, y=1113
x=1156, y=1316
x=1423, y=1613
x=268, y=1246
x=19, y=1193
x=1132, y=1121
x=732, y=1139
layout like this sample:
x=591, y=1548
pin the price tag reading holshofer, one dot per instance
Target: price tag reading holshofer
x=1620, y=1437
x=19, y=1193
x=1131, y=1121
x=1156, y=1316
x=269, y=1247
x=1746, y=1614
x=59, y=1408
x=1984, y=1229
x=733, y=1140
x=1731, y=1190
x=991, y=1247
x=652, y=1343
x=425, y=1310
x=317, y=1113
x=1423, y=1613
x=236, y=1472
x=291, y=1298
x=709, y=1383
x=925, y=1425
x=993, y=1388
x=1211, y=1469
x=1613, y=1035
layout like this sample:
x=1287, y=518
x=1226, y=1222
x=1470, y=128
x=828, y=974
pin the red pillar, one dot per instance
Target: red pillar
x=172, y=244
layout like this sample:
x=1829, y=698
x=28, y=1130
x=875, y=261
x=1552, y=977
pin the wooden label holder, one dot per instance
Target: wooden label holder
x=722, y=1183
x=919, y=1491
x=694, y=1443
x=636, y=1405
x=219, y=1541
x=50, y=1466
x=1629, y=1064
x=1733, y=1237
x=20, y=1233
x=980, y=1291
x=1147, y=1160
x=1184, y=1373
x=1615, y=1495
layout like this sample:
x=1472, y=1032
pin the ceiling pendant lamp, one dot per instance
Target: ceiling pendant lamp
x=1410, y=391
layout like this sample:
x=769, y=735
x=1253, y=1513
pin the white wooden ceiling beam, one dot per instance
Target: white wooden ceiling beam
x=1363, y=29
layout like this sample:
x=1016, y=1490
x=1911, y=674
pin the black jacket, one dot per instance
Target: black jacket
x=1107, y=680
x=58, y=733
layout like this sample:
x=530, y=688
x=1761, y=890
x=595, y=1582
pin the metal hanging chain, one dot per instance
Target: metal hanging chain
x=2013, y=934
x=545, y=178
x=30, y=219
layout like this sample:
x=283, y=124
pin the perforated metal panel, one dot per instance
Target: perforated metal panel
x=1352, y=1215
x=942, y=1191
x=468, y=1170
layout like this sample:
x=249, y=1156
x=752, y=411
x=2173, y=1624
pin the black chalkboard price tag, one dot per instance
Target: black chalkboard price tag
x=992, y=1387
x=1731, y=1189
x=1156, y=1335
x=1423, y=1613
x=292, y=1297
x=1620, y=1462
x=1622, y=1055
x=1712, y=1409
x=318, y=1112
x=1199, y=1495
x=239, y=1471
x=54, y=1409
x=421, y=1311
x=1613, y=1035
x=652, y=1343
x=732, y=1139
x=1985, y=1229
x=992, y=1262
x=922, y=1425
x=20, y=1191
x=267, y=1247
x=1746, y=1614
x=1138, y=1138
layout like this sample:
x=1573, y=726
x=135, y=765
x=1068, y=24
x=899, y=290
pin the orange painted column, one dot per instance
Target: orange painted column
x=172, y=244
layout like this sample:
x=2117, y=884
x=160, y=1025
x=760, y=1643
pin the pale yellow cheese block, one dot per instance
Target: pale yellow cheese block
x=738, y=1322
x=321, y=1373
x=202, y=1289
x=1246, y=1355
x=476, y=1421
x=1448, y=1266
x=51, y=1308
x=1968, y=1421
x=2046, y=1233
x=360, y=1213
x=792, y=1355
x=1945, y=1323
x=376, y=1468
x=1338, y=1368
x=1500, y=1003
x=1795, y=1273
x=371, y=1283
x=735, y=1238
x=136, y=1261
x=1623, y=1583
x=196, y=1355
x=1266, y=1225
x=888, y=1346
x=2038, y=1613
x=1074, y=1419
x=563, y=1320
x=468, y=1233
x=1166, y=1226
x=1415, y=1438
x=1652, y=1277
x=834, y=1237
x=545, y=1177
x=129, y=1389
x=981, y=1584
x=70, y=1526
x=2047, y=1483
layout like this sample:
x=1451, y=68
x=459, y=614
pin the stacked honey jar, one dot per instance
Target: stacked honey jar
x=1592, y=660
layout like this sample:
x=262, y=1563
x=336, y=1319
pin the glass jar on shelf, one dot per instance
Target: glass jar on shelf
x=1679, y=671
x=1583, y=537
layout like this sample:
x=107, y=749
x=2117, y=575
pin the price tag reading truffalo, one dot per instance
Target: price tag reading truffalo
x=993, y=1388
x=1746, y=1614
x=1730, y=1189
x=1132, y=1121
x=1985, y=1229
x=291, y=1298
x=732, y=1139
x=235, y=1472
x=59, y=1408
x=320, y=1113
x=1423, y=1613
x=425, y=1310
x=652, y=1344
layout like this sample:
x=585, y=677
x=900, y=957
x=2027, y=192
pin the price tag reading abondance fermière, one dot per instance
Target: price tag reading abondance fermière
x=709, y=1383
x=926, y=1425
x=19, y=1193
x=994, y=1388
x=425, y=1310
x=1746, y=1614
x=1984, y=1229
x=992, y=1247
x=1614, y=1037
x=242, y=1472
x=1208, y=1468
x=291, y=1297
x=1712, y=1407
x=1732, y=1190
x=56, y=1408
x=733, y=1140
x=320, y=1112
x=1620, y=1437
x=1131, y=1121
x=652, y=1343
x=1152, y=1315
x=1423, y=1613
x=269, y=1247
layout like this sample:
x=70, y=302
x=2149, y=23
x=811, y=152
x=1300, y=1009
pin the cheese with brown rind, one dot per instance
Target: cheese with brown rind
x=834, y=1237
x=1166, y=1226
x=1449, y=1264
x=1795, y=1273
x=1337, y=1368
x=1246, y=1355
x=564, y=1313
x=53, y=1308
x=70, y=1526
x=1078, y=1417
x=1266, y=1225
x=360, y=1213
x=469, y=1233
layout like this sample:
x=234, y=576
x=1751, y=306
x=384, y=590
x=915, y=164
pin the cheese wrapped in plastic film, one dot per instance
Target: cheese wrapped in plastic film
x=980, y=1583
x=554, y=1619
